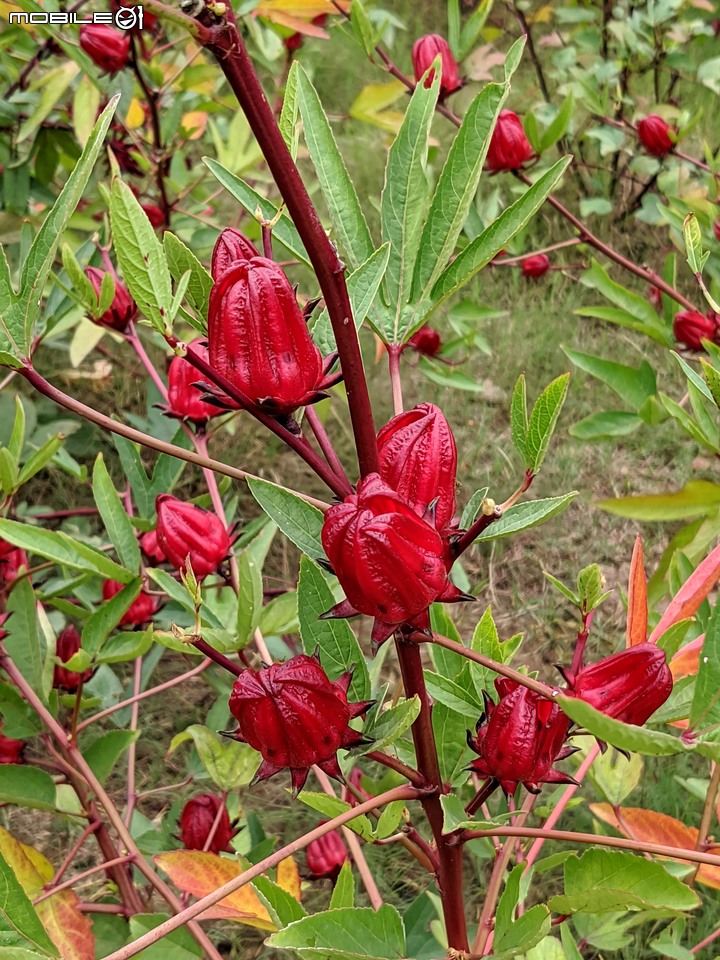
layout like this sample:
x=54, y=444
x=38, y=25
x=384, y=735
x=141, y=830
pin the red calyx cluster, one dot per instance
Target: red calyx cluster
x=10, y=750
x=509, y=147
x=295, y=716
x=690, y=328
x=656, y=135
x=326, y=855
x=535, y=266
x=257, y=335
x=196, y=822
x=107, y=47
x=123, y=308
x=519, y=739
x=185, y=531
x=424, y=52
x=184, y=398
x=67, y=645
x=141, y=610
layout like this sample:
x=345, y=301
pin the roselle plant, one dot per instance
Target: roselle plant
x=468, y=746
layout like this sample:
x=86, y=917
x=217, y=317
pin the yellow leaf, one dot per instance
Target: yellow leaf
x=542, y=15
x=136, y=115
x=198, y=873
x=193, y=124
x=303, y=9
x=31, y=868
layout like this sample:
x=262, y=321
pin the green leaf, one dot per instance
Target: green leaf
x=450, y=729
x=19, y=720
x=362, y=27
x=606, y=425
x=692, y=235
x=456, y=188
x=712, y=379
x=404, y=200
x=141, y=256
x=117, y=523
x=559, y=126
x=19, y=317
x=621, y=735
x=543, y=420
x=281, y=905
x=519, y=417
x=283, y=230
x=54, y=84
x=16, y=442
x=514, y=936
x=177, y=592
x=345, y=211
x=339, y=649
x=483, y=248
x=362, y=286
x=331, y=807
x=705, y=710
x=455, y=818
x=81, y=286
x=624, y=319
x=523, y=516
x=605, y=881
x=23, y=641
x=39, y=459
x=388, y=726
x=104, y=753
x=250, y=597
x=8, y=473
x=103, y=621
x=346, y=934
x=343, y=894
x=638, y=312
x=231, y=765
x=299, y=521
x=18, y=913
x=126, y=646
x=591, y=587
x=180, y=259
x=63, y=550
x=280, y=615
x=616, y=776
x=27, y=787
x=632, y=384
x=454, y=696
x=288, y=121
x=697, y=498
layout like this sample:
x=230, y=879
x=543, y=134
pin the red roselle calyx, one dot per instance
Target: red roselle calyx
x=425, y=341
x=154, y=215
x=355, y=780
x=151, y=548
x=141, y=610
x=107, y=47
x=326, y=855
x=390, y=562
x=424, y=52
x=628, y=686
x=535, y=266
x=656, y=135
x=295, y=716
x=230, y=246
x=184, y=399
x=67, y=645
x=196, y=822
x=10, y=750
x=186, y=531
x=509, y=147
x=418, y=459
x=12, y=561
x=690, y=328
x=259, y=340
x=520, y=738
x=123, y=308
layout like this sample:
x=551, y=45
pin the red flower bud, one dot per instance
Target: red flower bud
x=691, y=328
x=296, y=717
x=196, y=822
x=426, y=341
x=67, y=645
x=12, y=561
x=230, y=246
x=536, y=266
x=184, y=399
x=390, y=562
x=326, y=855
x=186, y=530
x=656, y=135
x=628, y=686
x=107, y=47
x=123, y=308
x=418, y=459
x=141, y=610
x=151, y=548
x=424, y=52
x=154, y=215
x=520, y=738
x=258, y=337
x=509, y=147
x=10, y=750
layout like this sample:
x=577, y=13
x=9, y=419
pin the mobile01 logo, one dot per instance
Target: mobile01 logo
x=125, y=18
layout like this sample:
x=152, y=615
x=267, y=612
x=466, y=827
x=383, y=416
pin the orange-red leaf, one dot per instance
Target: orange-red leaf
x=692, y=593
x=686, y=661
x=637, y=617
x=69, y=929
x=200, y=873
x=647, y=826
